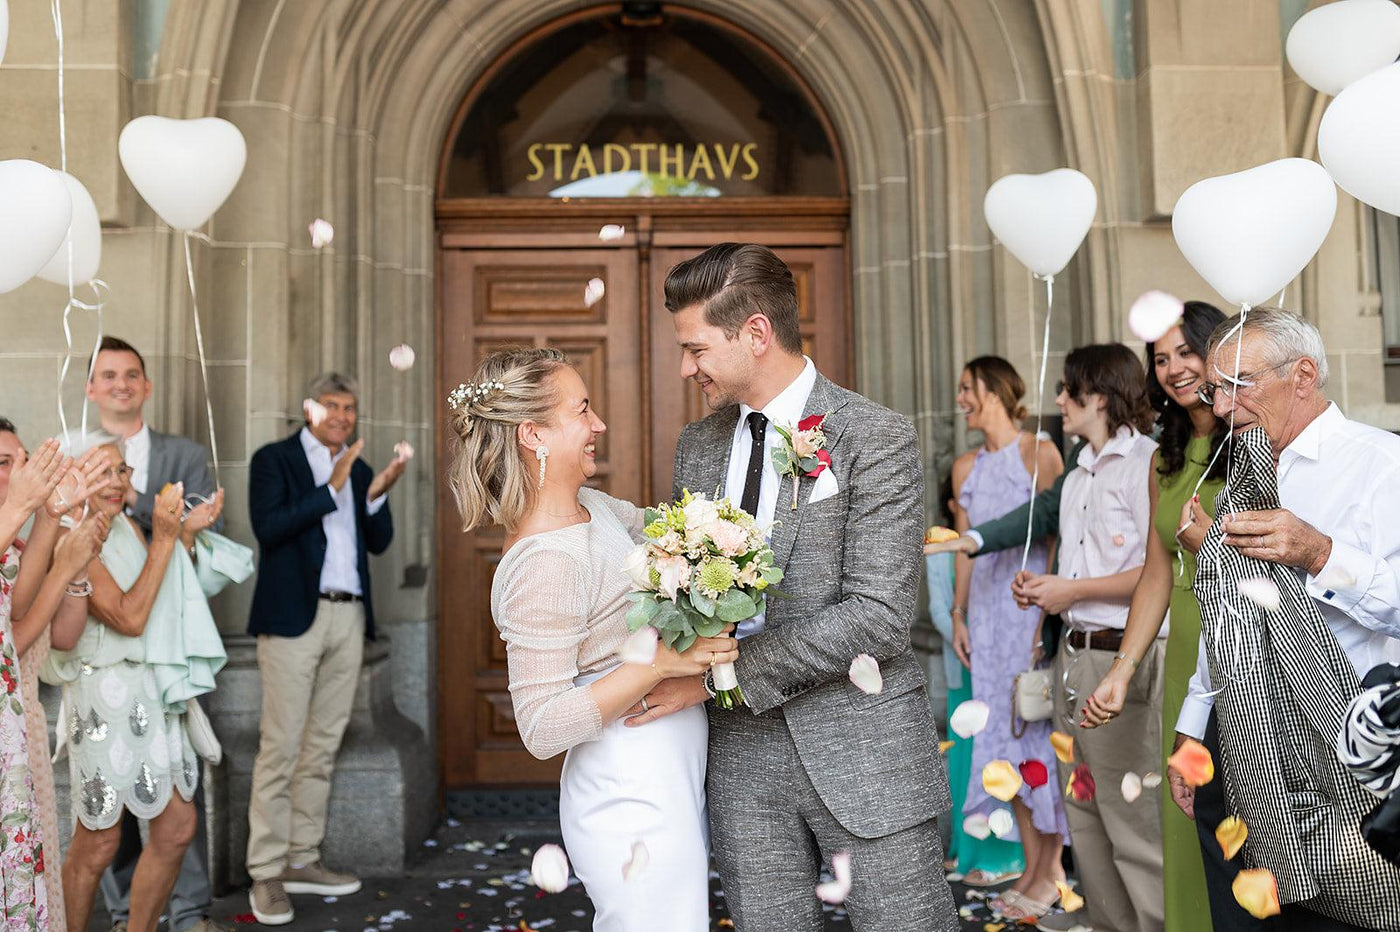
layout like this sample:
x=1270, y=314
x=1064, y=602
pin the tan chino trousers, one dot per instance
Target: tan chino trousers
x=308, y=691
x=1117, y=844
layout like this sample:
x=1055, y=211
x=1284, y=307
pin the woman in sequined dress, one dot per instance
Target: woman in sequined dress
x=127, y=745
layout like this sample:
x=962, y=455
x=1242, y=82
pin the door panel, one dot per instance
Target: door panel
x=532, y=293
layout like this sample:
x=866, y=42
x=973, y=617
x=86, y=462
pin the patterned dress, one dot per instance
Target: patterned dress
x=25, y=903
x=1002, y=637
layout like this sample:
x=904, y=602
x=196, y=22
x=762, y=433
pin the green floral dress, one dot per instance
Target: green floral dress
x=25, y=904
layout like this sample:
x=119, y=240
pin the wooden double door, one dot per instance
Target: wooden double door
x=506, y=283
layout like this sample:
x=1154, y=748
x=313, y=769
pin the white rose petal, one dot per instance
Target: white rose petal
x=637, y=863
x=314, y=410
x=403, y=451
x=593, y=291
x=639, y=647
x=865, y=673
x=1150, y=781
x=1132, y=787
x=1000, y=822
x=969, y=718
x=836, y=891
x=1262, y=592
x=1153, y=314
x=321, y=233
x=1334, y=578
x=675, y=573
x=612, y=232
x=401, y=357
x=550, y=869
x=977, y=826
x=638, y=569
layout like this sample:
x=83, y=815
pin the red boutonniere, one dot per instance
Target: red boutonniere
x=801, y=451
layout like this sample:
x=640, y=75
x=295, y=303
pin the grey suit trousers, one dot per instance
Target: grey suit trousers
x=770, y=829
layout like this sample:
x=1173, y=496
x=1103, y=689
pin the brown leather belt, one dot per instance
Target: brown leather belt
x=1108, y=639
x=334, y=596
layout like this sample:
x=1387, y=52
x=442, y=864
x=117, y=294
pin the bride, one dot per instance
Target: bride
x=523, y=446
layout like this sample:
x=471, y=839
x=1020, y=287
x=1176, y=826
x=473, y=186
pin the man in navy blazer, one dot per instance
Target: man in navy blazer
x=318, y=511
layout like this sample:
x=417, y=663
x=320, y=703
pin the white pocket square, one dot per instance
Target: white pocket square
x=824, y=488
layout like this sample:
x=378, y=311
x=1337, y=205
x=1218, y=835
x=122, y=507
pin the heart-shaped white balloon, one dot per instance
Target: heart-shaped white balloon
x=185, y=169
x=1249, y=234
x=85, y=232
x=35, y=210
x=1359, y=139
x=1338, y=43
x=1041, y=219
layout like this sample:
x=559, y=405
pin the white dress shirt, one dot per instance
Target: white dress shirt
x=341, y=571
x=1341, y=477
x=1105, y=517
x=785, y=409
x=136, y=450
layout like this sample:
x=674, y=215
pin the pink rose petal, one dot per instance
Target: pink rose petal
x=550, y=869
x=1118, y=540
x=321, y=233
x=637, y=863
x=865, y=673
x=836, y=891
x=593, y=292
x=315, y=411
x=1153, y=314
x=401, y=357
x=969, y=718
x=612, y=232
x=639, y=647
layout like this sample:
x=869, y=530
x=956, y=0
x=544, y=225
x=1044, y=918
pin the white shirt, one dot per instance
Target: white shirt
x=136, y=450
x=1105, y=517
x=340, y=572
x=785, y=409
x=1341, y=477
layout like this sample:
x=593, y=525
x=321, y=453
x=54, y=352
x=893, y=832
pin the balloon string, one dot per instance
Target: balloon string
x=203, y=368
x=1039, y=414
x=56, y=14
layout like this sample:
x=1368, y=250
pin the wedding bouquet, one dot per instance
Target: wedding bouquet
x=705, y=565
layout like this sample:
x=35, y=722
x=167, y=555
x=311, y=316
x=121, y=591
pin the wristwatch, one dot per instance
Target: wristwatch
x=708, y=680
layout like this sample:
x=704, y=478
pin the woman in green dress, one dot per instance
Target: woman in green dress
x=1182, y=502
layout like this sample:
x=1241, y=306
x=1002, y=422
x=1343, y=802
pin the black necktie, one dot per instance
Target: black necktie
x=753, y=481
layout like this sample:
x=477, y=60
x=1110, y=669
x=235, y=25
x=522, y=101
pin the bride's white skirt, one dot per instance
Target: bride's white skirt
x=641, y=784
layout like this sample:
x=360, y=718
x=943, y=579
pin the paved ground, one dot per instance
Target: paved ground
x=475, y=877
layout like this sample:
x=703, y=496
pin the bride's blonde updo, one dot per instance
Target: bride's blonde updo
x=489, y=477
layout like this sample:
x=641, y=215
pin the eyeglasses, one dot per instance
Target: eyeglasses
x=1231, y=386
x=119, y=472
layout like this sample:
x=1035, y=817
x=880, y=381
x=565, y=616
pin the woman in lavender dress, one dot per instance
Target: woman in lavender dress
x=994, y=638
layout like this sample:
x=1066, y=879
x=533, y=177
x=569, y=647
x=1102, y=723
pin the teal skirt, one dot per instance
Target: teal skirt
x=991, y=854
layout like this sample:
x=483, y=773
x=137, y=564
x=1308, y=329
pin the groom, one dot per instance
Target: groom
x=812, y=766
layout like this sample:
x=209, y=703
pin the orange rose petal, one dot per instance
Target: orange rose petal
x=1231, y=834
x=1194, y=763
x=1070, y=901
x=1001, y=780
x=1064, y=746
x=1257, y=891
x=943, y=746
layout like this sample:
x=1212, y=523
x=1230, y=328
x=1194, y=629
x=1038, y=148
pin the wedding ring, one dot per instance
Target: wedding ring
x=171, y=510
x=714, y=657
x=645, y=707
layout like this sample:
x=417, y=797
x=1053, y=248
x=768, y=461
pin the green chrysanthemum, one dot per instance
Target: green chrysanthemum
x=716, y=577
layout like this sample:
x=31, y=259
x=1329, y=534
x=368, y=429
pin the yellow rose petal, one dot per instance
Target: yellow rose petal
x=1231, y=834
x=1193, y=762
x=1001, y=780
x=1064, y=746
x=1070, y=901
x=943, y=746
x=1257, y=891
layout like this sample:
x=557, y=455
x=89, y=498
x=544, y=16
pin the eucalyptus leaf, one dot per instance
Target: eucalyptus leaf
x=702, y=603
x=735, y=606
x=683, y=642
x=710, y=628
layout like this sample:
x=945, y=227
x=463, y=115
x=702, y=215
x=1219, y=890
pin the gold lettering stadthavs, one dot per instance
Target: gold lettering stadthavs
x=564, y=161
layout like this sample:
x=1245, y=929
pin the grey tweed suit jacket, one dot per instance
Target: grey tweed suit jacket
x=852, y=565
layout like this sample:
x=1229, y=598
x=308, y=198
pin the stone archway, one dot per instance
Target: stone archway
x=346, y=104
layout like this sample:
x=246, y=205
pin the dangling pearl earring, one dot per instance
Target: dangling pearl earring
x=541, y=452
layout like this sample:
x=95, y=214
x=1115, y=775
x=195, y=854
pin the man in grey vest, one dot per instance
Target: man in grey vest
x=811, y=766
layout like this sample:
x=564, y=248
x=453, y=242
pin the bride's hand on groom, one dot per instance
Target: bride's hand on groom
x=699, y=656
x=666, y=698
x=683, y=683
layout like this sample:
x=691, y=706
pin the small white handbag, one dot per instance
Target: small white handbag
x=1032, y=698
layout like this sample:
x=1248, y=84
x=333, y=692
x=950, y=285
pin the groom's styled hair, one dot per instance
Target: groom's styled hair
x=734, y=281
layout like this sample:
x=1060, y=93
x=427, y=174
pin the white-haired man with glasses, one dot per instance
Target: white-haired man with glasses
x=1274, y=675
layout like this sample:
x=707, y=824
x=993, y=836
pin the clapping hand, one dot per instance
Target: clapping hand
x=76, y=549
x=168, y=511
x=340, y=472
x=387, y=477
x=202, y=516
x=84, y=478
x=34, y=478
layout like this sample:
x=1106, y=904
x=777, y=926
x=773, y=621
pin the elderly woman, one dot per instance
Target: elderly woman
x=149, y=646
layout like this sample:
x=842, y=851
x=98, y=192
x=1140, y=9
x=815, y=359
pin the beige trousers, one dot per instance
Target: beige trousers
x=308, y=691
x=1117, y=844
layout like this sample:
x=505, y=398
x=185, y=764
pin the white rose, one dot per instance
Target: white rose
x=700, y=513
x=804, y=444
x=638, y=569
